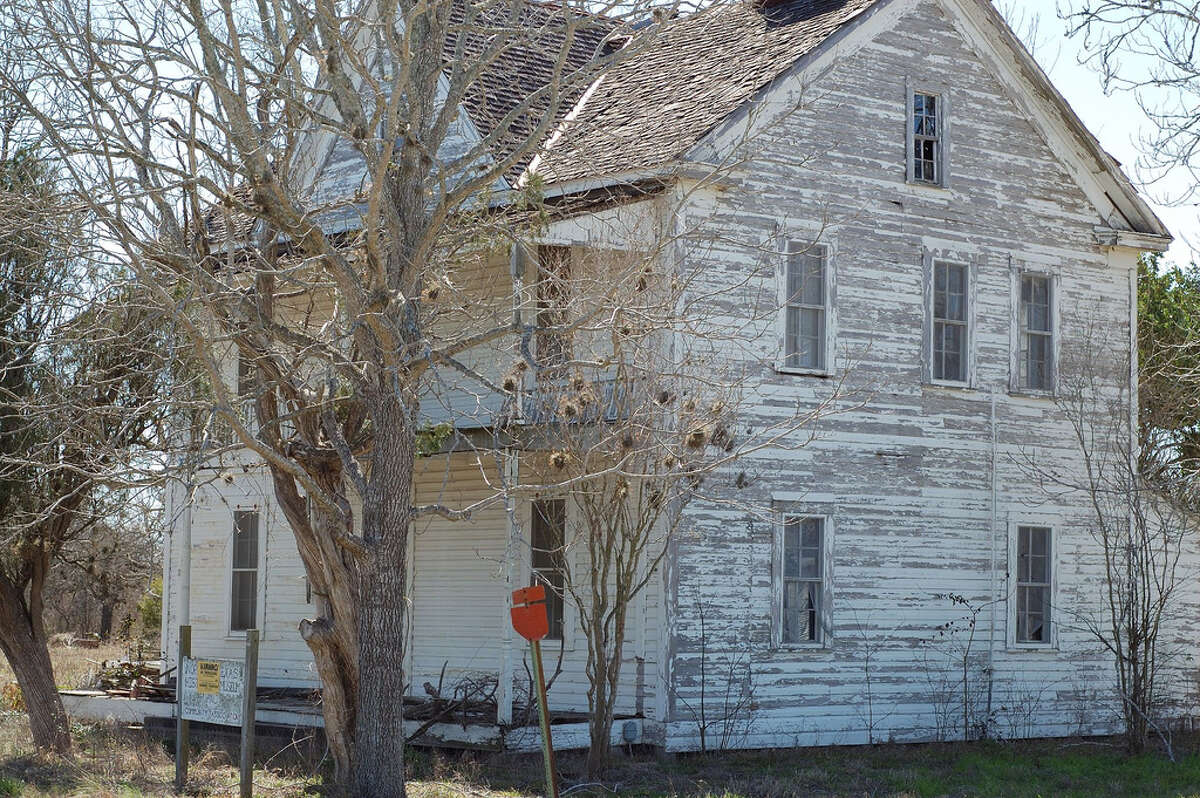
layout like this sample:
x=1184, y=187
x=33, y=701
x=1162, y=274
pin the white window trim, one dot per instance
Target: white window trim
x=971, y=263
x=792, y=244
x=570, y=614
x=260, y=581
x=1013, y=527
x=1016, y=272
x=942, y=92
x=783, y=512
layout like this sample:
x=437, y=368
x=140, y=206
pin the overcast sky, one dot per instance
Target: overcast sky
x=1116, y=120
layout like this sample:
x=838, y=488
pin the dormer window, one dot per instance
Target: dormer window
x=926, y=138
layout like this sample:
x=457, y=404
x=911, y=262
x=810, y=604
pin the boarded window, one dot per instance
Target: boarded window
x=1037, y=333
x=243, y=613
x=553, y=341
x=548, y=561
x=950, y=333
x=803, y=579
x=1033, y=584
x=806, y=312
x=927, y=138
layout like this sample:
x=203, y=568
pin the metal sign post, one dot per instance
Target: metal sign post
x=530, y=621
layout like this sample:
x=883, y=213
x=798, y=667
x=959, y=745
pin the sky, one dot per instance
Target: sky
x=1116, y=120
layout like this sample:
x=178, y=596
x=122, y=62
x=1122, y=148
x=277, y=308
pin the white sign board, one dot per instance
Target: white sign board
x=210, y=690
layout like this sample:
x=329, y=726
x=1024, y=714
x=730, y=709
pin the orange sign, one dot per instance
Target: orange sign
x=529, y=612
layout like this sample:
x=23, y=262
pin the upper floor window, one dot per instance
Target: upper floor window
x=806, y=307
x=926, y=144
x=804, y=573
x=548, y=565
x=1037, y=333
x=243, y=612
x=951, y=334
x=553, y=341
x=1034, y=571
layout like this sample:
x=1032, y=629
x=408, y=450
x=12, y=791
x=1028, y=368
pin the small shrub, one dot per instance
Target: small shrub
x=10, y=786
x=11, y=698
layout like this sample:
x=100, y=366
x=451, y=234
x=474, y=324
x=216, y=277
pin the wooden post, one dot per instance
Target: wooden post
x=249, y=703
x=182, y=743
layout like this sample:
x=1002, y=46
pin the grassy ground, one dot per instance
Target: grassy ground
x=131, y=763
x=125, y=763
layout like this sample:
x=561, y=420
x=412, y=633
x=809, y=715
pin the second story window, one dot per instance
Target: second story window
x=1037, y=333
x=553, y=342
x=548, y=564
x=950, y=325
x=806, y=314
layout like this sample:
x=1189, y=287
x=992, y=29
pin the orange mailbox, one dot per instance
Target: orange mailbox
x=529, y=612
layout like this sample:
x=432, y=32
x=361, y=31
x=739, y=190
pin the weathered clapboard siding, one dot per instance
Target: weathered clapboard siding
x=284, y=659
x=920, y=500
x=459, y=594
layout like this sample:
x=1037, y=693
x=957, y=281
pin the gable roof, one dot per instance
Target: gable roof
x=696, y=71
x=702, y=73
x=525, y=67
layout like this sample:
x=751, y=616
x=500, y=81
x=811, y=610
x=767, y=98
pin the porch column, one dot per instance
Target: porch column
x=512, y=553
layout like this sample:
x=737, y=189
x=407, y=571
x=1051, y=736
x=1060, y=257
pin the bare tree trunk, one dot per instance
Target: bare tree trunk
x=604, y=675
x=23, y=640
x=106, y=619
x=379, y=738
x=332, y=633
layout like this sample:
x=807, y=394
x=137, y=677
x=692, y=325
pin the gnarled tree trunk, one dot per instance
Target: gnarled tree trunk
x=23, y=641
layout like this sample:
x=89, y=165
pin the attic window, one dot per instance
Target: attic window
x=926, y=138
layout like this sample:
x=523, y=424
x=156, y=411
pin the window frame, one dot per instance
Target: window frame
x=970, y=268
x=1015, y=584
x=1017, y=384
x=785, y=514
x=794, y=245
x=230, y=570
x=568, y=619
x=942, y=159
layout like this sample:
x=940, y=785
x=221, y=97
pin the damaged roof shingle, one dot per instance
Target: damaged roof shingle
x=688, y=77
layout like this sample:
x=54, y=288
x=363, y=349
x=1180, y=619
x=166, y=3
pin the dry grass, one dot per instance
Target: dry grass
x=112, y=762
x=74, y=668
x=132, y=763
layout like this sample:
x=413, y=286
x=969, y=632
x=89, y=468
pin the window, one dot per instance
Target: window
x=805, y=307
x=926, y=145
x=243, y=612
x=1033, y=584
x=803, y=579
x=950, y=333
x=553, y=343
x=1037, y=333
x=548, y=537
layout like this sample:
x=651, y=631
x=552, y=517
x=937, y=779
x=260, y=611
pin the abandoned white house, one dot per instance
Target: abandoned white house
x=938, y=231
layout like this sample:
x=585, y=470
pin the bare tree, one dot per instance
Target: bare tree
x=1149, y=49
x=300, y=186
x=642, y=412
x=79, y=372
x=1142, y=524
